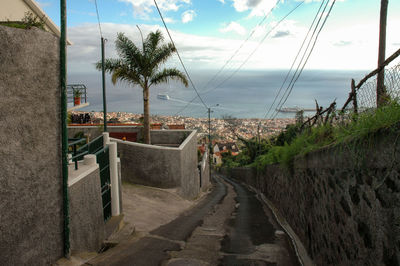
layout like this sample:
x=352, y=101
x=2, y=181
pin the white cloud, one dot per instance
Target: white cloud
x=142, y=8
x=188, y=16
x=351, y=47
x=169, y=20
x=222, y=1
x=234, y=27
x=257, y=7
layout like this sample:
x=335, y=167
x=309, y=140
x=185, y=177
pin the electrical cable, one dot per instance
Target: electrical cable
x=243, y=43
x=294, y=61
x=247, y=59
x=312, y=48
x=302, y=59
x=98, y=18
x=233, y=55
x=180, y=59
x=259, y=45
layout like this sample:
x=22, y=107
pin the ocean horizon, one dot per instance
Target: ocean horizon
x=248, y=94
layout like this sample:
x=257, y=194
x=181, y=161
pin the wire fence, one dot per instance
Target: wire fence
x=366, y=94
x=362, y=97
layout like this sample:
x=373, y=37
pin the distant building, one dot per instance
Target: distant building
x=220, y=148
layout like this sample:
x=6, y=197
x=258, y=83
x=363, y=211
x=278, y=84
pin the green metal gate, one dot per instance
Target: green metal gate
x=104, y=164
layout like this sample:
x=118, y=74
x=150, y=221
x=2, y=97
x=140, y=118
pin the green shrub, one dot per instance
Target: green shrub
x=292, y=143
x=28, y=21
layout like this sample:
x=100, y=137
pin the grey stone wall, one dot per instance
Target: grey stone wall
x=31, y=213
x=164, y=167
x=343, y=202
x=86, y=214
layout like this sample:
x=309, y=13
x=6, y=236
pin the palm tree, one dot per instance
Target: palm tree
x=142, y=67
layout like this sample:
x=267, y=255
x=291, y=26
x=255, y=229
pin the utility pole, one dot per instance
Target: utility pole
x=209, y=139
x=209, y=133
x=104, y=84
x=259, y=137
x=381, y=95
x=64, y=133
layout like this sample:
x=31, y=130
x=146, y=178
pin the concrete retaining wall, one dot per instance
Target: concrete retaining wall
x=174, y=137
x=94, y=131
x=31, y=212
x=86, y=209
x=164, y=167
x=343, y=202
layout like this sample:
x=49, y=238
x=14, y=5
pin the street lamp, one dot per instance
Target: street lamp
x=209, y=133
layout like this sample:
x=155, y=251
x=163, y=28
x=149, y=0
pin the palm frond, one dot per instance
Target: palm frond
x=128, y=51
x=162, y=54
x=152, y=41
x=169, y=73
x=125, y=75
x=109, y=64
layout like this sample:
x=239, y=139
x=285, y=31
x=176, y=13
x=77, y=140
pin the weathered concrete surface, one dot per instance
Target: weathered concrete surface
x=204, y=169
x=86, y=213
x=148, y=207
x=31, y=215
x=163, y=167
x=190, y=178
x=152, y=248
x=203, y=246
x=342, y=202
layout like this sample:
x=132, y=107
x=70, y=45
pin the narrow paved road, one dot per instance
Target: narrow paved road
x=229, y=227
x=254, y=237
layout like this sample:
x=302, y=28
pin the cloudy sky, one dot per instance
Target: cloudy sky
x=207, y=32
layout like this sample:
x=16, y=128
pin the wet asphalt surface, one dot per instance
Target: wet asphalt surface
x=252, y=226
x=249, y=237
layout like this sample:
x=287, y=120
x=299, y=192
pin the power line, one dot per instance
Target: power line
x=98, y=17
x=259, y=45
x=243, y=43
x=297, y=55
x=312, y=48
x=247, y=59
x=180, y=59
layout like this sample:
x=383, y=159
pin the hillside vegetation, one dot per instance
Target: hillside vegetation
x=297, y=140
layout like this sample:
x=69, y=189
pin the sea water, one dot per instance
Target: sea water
x=247, y=94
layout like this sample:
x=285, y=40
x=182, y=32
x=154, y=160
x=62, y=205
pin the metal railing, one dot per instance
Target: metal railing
x=72, y=89
x=87, y=148
x=72, y=149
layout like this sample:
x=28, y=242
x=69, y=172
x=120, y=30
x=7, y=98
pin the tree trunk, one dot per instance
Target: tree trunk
x=146, y=116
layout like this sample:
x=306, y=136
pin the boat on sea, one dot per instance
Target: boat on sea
x=289, y=109
x=163, y=96
x=294, y=109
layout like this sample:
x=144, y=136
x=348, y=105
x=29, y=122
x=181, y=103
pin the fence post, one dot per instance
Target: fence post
x=354, y=93
x=106, y=138
x=381, y=96
x=114, y=178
